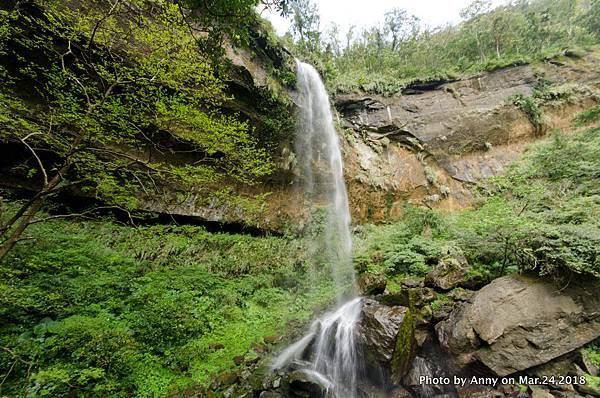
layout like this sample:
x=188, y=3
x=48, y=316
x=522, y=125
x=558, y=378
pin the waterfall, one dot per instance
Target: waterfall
x=321, y=174
x=328, y=352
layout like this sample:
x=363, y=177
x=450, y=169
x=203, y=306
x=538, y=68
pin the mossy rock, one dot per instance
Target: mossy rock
x=405, y=349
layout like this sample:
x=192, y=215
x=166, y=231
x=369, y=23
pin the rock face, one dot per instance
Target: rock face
x=424, y=147
x=379, y=328
x=427, y=145
x=387, y=338
x=515, y=323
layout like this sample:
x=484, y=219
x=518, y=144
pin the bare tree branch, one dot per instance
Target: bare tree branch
x=37, y=158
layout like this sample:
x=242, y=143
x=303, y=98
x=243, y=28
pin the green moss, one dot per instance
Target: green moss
x=404, y=350
x=439, y=301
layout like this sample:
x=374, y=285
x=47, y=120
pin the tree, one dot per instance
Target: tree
x=306, y=22
x=592, y=18
x=501, y=28
x=474, y=25
x=117, y=100
x=401, y=26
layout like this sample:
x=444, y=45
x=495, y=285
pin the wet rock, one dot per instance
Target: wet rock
x=475, y=391
x=379, y=327
x=411, y=282
x=370, y=391
x=422, y=367
x=421, y=336
x=371, y=284
x=539, y=392
x=394, y=299
x=308, y=381
x=516, y=323
x=400, y=392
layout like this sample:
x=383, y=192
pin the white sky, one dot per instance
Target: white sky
x=364, y=13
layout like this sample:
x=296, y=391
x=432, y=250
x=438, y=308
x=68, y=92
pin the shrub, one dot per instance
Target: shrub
x=588, y=116
x=529, y=107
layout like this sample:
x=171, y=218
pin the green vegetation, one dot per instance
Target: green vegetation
x=529, y=107
x=541, y=217
x=126, y=102
x=588, y=116
x=101, y=97
x=97, y=309
x=400, y=50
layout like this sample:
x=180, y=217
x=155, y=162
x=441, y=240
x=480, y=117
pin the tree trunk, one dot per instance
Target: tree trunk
x=21, y=226
x=26, y=214
x=479, y=47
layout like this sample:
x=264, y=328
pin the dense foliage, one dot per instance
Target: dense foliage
x=102, y=96
x=400, y=49
x=96, y=309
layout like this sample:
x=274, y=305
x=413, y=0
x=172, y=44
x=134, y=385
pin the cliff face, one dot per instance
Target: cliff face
x=426, y=147
x=431, y=144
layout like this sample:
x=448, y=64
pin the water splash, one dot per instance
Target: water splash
x=329, y=349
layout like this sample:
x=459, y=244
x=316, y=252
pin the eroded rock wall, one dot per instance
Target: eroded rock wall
x=431, y=144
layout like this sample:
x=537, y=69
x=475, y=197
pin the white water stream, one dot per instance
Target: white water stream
x=329, y=347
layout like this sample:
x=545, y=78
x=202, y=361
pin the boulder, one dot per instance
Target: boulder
x=592, y=387
x=452, y=271
x=408, y=297
x=540, y=392
x=411, y=281
x=309, y=381
x=400, y=392
x=422, y=367
x=379, y=327
x=372, y=284
x=516, y=322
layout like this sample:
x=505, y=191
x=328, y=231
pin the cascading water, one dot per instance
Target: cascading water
x=328, y=353
x=321, y=174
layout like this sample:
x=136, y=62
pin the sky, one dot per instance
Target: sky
x=364, y=13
